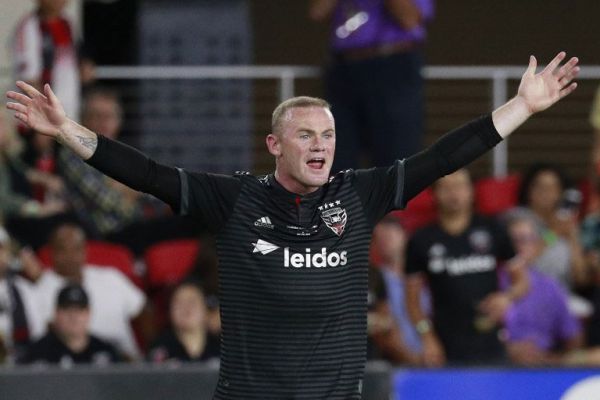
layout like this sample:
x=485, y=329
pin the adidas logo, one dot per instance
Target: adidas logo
x=264, y=222
x=263, y=247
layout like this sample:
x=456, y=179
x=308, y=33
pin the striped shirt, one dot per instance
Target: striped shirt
x=293, y=269
x=293, y=279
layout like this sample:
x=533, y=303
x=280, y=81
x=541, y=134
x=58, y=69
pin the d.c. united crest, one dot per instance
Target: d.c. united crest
x=335, y=218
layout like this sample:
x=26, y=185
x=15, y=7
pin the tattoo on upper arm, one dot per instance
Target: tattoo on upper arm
x=89, y=142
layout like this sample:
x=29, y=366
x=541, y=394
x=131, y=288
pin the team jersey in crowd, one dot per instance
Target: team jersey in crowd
x=293, y=269
x=462, y=271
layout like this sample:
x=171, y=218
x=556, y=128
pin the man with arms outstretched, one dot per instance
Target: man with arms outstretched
x=293, y=245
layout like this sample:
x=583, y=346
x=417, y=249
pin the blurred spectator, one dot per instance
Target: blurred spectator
x=594, y=201
x=540, y=329
x=188, y=339
x=543, y=192
x=101, y=203
x=17, y=178
x=374, y=81
x=45, y=51
x=389, y=249
x=69, y=340
x=459, y=257
x=17, y=305
x=115, y=302
x=384, y=339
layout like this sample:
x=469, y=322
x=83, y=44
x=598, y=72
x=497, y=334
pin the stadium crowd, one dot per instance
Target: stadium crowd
x=493, y=272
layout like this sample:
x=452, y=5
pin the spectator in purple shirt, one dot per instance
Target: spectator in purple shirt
x=374, y=82
x=540, y=329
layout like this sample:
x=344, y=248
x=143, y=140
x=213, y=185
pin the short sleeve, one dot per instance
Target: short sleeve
x=504, y=248
x=427, y=8
x=381, y=190
x=133, y=298
x=567, y=325
x=416, y=260
x=208, y=198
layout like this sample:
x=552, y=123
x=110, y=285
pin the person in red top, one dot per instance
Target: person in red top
x=44, y=51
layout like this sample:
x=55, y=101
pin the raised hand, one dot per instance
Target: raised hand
x=540, y=91
x=42, y=112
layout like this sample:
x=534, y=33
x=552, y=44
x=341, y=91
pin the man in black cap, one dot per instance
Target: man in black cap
x=69, y=341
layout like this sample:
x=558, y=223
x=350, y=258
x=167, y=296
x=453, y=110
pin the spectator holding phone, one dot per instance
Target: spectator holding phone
x=545, y=191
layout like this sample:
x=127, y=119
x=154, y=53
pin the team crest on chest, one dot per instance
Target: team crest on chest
x=334, y=216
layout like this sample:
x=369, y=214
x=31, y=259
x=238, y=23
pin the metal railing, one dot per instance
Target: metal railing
x=286, y=75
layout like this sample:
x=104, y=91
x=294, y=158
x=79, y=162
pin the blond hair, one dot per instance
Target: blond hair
x=282, y=109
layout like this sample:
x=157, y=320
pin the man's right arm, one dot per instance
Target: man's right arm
x=44, y=113
x=209, y=198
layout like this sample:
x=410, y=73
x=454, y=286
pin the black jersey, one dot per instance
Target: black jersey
x=51, y=349
x=168, y=348
x=461, y=271
x=293, y=269
x=293, y=279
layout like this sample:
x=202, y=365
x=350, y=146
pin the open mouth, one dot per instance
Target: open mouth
x=316, y=163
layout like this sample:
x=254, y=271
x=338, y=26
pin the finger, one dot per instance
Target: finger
x=22, y=117
x=568, y=90
x=20, y=97
x=568, y=67
x=16, y=107
x=555, y=62
x=29, y=90
x=50, y=94
x=564, y=81
x=532, y=65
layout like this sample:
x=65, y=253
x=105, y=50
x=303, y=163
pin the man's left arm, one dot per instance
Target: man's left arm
x=461, y=146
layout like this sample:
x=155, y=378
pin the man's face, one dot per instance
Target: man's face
x=68, y=251
x=304, y=148
x=72, y=321
x=545, y=192
x=389, y=239
x=454, y=193
x=102, y=115
x=526, y=239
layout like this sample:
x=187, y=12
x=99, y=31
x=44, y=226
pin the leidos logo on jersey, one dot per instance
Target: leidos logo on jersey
x=317, y=260
x=308, y=259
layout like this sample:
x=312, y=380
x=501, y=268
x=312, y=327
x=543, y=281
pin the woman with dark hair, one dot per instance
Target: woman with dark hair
x=545, y=191
x=188, y=338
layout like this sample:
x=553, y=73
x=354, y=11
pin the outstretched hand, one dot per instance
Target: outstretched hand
x=41, y=112
x=540, y=91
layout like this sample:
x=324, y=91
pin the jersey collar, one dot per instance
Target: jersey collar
x=280, y=191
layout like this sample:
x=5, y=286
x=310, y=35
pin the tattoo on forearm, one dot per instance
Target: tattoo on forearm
x=89, y=142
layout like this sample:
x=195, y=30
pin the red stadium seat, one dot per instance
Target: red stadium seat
x=101, y=254
x=496, y=195
x=419, y=212
x=170, y=261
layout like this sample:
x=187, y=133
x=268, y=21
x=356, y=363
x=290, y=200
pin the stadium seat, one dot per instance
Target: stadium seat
x=101, y=254
x=419, y=212
x=170, y=261
x=496, y=195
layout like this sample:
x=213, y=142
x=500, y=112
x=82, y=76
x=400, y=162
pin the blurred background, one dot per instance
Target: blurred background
x=193, y=83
